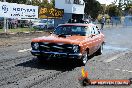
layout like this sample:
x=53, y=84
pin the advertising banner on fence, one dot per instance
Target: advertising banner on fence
x=50, y=13
x=13, y=10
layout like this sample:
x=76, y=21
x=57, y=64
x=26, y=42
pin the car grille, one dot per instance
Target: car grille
x=55, y=47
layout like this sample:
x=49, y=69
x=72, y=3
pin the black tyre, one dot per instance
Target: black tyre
x=100, y=50
x=42, y=59
x=84, y=58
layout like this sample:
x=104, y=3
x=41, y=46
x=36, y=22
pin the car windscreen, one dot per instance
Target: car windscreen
x=71, y=30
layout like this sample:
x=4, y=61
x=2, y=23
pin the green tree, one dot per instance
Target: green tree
x=52, y=3
x=35, y=2
x=17, y=1
x=113, y=10
x=92, y=8
x=107, y=9
x=43, y=3
x=128, y=9
x=102, y=9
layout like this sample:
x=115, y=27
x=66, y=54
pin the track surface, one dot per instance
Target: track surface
x=19, y=69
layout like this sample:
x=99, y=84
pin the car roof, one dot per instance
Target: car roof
x=77, y=24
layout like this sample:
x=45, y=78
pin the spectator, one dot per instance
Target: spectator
x=102, y=22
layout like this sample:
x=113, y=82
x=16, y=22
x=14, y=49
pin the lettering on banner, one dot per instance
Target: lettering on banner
x=23, y=12
x=14, y=10
x=4, y=8
x=50, y=12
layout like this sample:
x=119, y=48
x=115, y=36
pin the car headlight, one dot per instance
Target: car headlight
x=75, y=48
x=35, y=46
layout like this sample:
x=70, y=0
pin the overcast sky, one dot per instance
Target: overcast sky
x=105, y=1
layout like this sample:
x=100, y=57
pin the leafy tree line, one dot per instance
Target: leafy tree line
x=92, y=8
x=44, y=3
x=113, y=10
x=128, y=9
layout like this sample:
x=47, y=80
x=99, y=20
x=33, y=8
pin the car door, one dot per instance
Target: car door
x=90, y=40
x=97, y=38
x=94, y=38
x=100, y=37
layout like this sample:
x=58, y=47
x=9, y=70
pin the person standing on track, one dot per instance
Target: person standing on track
x=102, y=22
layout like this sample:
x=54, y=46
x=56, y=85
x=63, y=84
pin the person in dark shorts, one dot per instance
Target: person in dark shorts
x=102, y=22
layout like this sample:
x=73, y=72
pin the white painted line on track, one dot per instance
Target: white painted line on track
x=115, y=57
x=117, y=69
x=124, y=70
x=24, y=50
x=130, y=71
x=120, y=70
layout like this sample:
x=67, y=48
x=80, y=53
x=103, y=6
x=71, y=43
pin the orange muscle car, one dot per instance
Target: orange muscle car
x=76, y=40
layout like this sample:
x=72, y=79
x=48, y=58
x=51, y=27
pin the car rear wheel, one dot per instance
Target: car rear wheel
x=100, y=50
x=84, y=58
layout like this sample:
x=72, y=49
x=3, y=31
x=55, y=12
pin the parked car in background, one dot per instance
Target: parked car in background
x=12, y=23
x=44, y=24
x=15, y=23
x=1, y=22
x=75, y=40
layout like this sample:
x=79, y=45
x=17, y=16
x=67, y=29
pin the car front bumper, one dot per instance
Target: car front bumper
x=56, y=54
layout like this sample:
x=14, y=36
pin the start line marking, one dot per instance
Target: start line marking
x=24, y=50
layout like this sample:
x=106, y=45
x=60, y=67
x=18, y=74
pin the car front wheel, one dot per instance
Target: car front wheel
x=42, y=59
x=84, y=58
